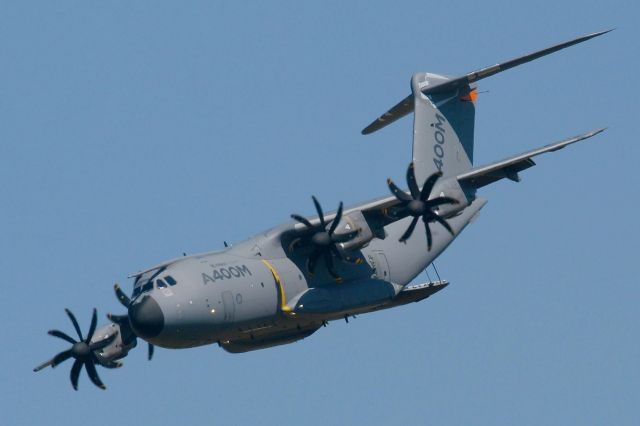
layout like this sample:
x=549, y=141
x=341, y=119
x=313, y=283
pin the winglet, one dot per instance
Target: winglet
x=406, y=106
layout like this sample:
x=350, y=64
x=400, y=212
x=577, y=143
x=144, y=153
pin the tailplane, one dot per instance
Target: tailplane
x=444, y=114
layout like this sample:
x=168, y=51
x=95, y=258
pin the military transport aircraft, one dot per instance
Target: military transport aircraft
x=284, y=284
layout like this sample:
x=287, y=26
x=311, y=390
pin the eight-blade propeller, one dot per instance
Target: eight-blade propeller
x=323, y=240
x=418, y=204
x=82, y=351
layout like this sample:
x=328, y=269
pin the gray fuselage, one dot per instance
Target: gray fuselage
x=255, y=294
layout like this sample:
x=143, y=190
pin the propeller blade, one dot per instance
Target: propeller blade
x=150, y=352
x=411, y=181
x=96, y=346
x=442, y=222
x=336, y=220
x=428, y=186
x=313, y=258
x=409, y=230
x=302, y=220
x=92, y=327
x=399, y=194
x=93, y=374
x=118, y=319
x=61, y=335
x=75, y=322
x=43, y=365
x=328, y=260
x=61, y=357
x=428, y=231
x=122, y=297
x=320, y=213
x=75, y=373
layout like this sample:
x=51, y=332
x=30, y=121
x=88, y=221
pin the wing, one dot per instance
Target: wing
x=509, y=168
x=379, y=212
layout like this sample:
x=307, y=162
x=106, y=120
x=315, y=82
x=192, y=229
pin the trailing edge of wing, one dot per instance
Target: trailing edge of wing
x=509, y=168
x=405, y=106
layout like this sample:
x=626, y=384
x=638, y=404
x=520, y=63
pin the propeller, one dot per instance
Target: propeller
x=323, y=240
x=120, y=319
x=83, y=351
x=416, y=203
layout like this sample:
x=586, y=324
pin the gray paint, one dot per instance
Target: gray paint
x=259, y=293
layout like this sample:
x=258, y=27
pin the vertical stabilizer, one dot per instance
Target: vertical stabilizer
x=445, y=111
x=443, y=126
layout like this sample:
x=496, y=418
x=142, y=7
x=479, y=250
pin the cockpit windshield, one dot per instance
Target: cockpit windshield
x=145, y=282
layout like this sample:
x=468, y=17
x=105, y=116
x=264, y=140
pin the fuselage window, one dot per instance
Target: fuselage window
x=161, y=284
x=170, y=280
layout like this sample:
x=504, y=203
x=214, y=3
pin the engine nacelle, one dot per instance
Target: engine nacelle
x=124, y=341
x=354, y=221
x=450, y=187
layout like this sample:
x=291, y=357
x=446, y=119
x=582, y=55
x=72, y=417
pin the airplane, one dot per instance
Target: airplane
x=286, y=283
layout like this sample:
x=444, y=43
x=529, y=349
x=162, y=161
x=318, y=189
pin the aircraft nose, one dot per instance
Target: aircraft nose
x=146, y=317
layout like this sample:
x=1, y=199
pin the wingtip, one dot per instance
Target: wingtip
x=596, y=34
x=603, y=32
x=596, y=132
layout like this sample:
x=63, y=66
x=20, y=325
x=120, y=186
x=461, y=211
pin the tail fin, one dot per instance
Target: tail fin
x=442, y=127
x=444, y=105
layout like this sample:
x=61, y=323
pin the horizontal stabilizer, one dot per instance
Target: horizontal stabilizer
x=406, y=106
x=509, y=168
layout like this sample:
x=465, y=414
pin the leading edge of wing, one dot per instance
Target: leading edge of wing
x=509, y=167
x=488, y=173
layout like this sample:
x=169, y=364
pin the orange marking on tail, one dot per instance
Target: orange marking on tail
x=472, y=96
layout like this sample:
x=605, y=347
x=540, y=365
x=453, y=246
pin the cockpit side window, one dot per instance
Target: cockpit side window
x=161, y=284
x=144, y=282
x=170, y=280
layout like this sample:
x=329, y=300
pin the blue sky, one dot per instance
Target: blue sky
x=134, y=132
